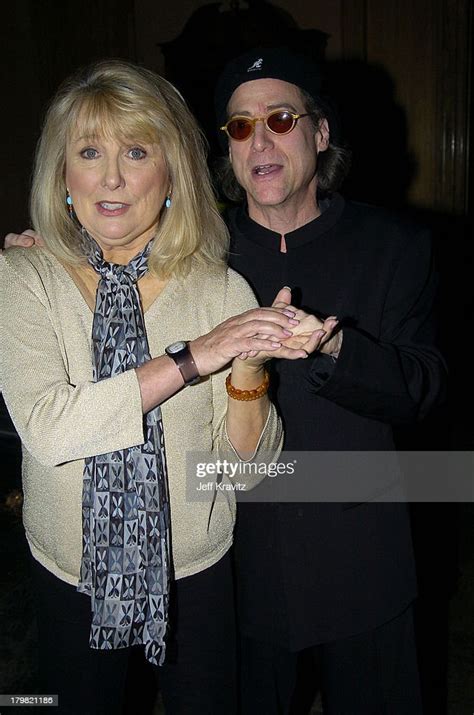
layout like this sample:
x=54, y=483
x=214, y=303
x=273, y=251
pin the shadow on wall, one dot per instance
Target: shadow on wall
x=366, y=116
x=212, y=36
x=371, y=122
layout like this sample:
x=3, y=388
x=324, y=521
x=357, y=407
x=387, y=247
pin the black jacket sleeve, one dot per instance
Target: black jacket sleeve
x=396, y=375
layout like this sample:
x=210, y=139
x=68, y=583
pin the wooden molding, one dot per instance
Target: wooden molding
x=453, y=102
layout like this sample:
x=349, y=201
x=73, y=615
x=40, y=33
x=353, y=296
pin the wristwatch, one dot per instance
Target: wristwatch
x=183, y=358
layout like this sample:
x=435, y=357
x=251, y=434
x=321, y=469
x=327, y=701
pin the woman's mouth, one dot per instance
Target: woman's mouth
x=112, y=208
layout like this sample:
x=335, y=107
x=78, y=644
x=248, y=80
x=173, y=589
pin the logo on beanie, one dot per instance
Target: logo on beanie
x=257, y=65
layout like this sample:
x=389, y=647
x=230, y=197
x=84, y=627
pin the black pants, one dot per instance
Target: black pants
x=197, y=677
x=373, y=673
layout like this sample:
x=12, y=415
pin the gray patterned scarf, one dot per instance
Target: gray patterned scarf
x=125, y=564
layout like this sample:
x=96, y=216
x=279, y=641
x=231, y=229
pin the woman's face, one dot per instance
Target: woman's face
x=117, y=188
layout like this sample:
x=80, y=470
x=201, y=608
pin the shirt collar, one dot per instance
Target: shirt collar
x=331, y=211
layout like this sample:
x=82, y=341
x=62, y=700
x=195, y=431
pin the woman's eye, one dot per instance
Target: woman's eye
x=89, y=153
x=136, y=153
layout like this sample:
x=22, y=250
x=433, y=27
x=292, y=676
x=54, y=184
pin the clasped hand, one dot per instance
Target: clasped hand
x=260, y=334
x=260, y=330
x=309, y=335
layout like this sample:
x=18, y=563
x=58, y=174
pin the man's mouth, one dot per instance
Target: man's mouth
x=264, y=169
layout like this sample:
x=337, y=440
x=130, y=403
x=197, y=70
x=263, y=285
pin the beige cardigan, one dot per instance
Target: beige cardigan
x=62, y=416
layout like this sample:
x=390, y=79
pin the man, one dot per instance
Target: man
x=335, y=578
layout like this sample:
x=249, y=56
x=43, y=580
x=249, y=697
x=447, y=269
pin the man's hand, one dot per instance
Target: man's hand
x=331, y=338
x=309, y=335
x=26, y=239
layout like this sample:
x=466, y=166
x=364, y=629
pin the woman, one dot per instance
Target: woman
x=115, y=337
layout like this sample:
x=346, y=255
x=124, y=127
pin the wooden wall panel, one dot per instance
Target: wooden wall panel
x=354, y=29
x=453, y=102
x=401, y=36
x=424, y=46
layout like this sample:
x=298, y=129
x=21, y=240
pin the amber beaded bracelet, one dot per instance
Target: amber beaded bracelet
x=247, y=395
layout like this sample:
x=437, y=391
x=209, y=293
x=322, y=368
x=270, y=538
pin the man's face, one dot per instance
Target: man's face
x=278, y=172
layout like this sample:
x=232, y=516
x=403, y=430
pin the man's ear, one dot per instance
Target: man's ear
x=230, y=153
x=322, y=136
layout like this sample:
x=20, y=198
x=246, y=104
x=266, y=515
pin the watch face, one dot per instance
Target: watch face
x=176, y=347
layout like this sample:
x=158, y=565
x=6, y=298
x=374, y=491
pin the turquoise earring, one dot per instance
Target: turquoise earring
x=69, y=202
x=168, y=201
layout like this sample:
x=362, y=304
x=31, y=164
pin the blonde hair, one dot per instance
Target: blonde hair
x=119, y=99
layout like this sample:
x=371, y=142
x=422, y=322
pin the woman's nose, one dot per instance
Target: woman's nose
x=113, y=177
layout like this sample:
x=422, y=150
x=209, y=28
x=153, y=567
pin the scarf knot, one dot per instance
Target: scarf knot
x=115, y=272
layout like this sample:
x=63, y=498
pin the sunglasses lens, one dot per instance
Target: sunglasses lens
x=280, y=122
x=239, y=129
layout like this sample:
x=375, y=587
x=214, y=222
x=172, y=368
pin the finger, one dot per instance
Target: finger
x=275, y=339
x=29, y=233
x=256, y=345
x=308, y=324
x=281, y=328
x=331, y=345
x=288, y=353
x=250, y=320
x=18, y=239
x=34, y=234
x=283, y=296
x=257, y=328
x=284, y=309
x=314, y=341
x=288, y=309
x=306, y=341
x=250, y=354
x=329, y=325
